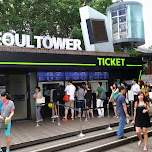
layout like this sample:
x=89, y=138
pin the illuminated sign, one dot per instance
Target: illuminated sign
x=50, y=76
x=98, y=75
x=76, y=76
x=111, y=61
x=8, y=39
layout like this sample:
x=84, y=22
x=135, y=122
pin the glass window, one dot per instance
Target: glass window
x=122, y=12
x=115, y=28
x=122, y=28
x=115, y=36
x=114, y=13
x=122, y=19
x=123, y=36
x=114, y=20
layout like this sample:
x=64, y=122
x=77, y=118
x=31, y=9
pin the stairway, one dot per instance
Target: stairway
x=96, y=140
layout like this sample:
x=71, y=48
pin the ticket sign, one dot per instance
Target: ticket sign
x=98, y=75
x=50, y=76
x=82, y=76
x=130, y=95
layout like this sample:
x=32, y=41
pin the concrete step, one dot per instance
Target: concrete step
x=75, y=141
x=58, y=137
x=112, y=143
x=69, y=140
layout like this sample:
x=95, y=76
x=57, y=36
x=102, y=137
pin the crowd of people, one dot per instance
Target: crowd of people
x=81, y=93
x=84, y=99
x=141, y=119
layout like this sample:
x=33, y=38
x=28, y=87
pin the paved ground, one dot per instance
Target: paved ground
x=132, y=147
x=24, y=131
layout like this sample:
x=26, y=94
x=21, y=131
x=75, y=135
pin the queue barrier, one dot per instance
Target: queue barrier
x=86, y=119
x=76, y=109
x=80, y=111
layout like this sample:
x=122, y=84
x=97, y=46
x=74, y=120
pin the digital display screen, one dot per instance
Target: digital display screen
x=50, y=76
x=98, y=75
x=76, y=76
x=97, y=31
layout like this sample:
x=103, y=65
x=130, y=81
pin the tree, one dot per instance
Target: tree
x=53, y=17
x=59, y=18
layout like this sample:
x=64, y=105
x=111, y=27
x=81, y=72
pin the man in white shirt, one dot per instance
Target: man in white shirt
x=70, y=90
x=135, y=88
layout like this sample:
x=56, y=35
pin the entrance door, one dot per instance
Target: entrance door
x=17, y=90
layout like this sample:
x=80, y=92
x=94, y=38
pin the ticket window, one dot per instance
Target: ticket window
x=76, y=83
x=94, y=85
x=49, y=85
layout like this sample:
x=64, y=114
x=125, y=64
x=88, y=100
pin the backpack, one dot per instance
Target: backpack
x=103, y=95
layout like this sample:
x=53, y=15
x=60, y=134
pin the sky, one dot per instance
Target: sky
x=147, y=14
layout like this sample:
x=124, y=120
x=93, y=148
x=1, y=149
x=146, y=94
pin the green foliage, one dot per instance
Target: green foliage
x=59, y=18
x=133, y=52
x=45, y=17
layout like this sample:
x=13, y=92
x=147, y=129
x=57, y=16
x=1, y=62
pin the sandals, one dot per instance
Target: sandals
x=116, y=117
x=64, y=119
x=139, y=142
x=145, y=148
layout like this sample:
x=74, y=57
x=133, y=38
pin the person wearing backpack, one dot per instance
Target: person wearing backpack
x=100, y=97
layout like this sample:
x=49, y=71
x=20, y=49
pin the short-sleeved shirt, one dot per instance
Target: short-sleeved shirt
x=99, y=90
x=135, y=87
x=7, y=108
x=70, y=89
x=37, y=95
x=120, y=99
x=80, y=93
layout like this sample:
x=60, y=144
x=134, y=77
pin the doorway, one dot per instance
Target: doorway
x=17, y=89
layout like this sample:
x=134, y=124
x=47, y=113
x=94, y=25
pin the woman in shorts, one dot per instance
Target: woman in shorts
x=7, y=112
x=88, y=97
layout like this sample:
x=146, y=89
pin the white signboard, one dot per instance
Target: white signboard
x=130, y=95
x=9, y=39
x=150, y=95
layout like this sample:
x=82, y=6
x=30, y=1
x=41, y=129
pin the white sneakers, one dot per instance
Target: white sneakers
x=56, y=116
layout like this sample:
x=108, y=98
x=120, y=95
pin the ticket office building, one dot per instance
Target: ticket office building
x=22, y=69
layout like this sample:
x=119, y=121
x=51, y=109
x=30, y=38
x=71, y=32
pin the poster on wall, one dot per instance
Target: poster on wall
x=74, y=76
x=98, y=75
x=50, y=76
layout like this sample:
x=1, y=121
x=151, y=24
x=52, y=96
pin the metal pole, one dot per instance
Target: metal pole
x=75, y=110
x=109, y=128
x=59, y=123
x=81, y=134
x=86, y=119
x=52, y=114
x=37, y=123
x=132, y=109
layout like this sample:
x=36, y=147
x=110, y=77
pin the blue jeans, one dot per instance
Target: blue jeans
x=122, y=122
x=39, y=117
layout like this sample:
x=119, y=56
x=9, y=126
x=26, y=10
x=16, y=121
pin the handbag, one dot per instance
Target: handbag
x=40, y=100
x=66, y=98
x=112, y=99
